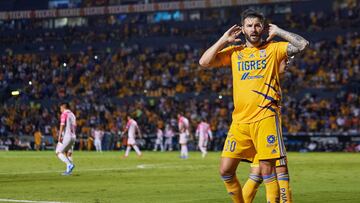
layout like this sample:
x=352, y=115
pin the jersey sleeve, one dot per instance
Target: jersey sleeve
x=225, y=56
x=281, y=50
x=127, y=125
x=197, y=131
x=210, y=133
x=63, y=118
x=180, y=122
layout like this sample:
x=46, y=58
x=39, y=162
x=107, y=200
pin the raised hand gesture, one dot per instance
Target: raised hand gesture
x=230, y=36
x=273, y=31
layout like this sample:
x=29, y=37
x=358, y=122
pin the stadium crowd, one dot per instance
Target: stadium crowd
x=149, y=83
x=132, y=71
x=134, y=26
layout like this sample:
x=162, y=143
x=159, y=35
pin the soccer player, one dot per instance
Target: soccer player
x=66, y=137
x=169, y=134
x=255, y=127
x=132, y=127
x=37, y=139
x=203, y=132
x=159, y=140
x=252, y=184
x=98, y=135
x=183, y=124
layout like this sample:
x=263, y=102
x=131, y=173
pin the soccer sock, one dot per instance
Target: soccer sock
x=63, y=158
x=251, y=186
x=185, y=151
x=137, y=150
x=272, y=188
x=182, y=153
x=202, y=149
x=70, y=158
x=233, y=188
x=128, y=148
x=204, y=154
x=285, y=191
x=96, y=145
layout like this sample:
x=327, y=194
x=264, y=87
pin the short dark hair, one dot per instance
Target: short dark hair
x=66, y=104
x=251, y=13
x=203, y=118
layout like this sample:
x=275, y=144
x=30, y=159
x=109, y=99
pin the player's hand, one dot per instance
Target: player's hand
x=232, y=34
x=273, y=31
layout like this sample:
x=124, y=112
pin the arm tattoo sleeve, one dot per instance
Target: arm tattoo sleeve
x=292, y=50
x=296, y=42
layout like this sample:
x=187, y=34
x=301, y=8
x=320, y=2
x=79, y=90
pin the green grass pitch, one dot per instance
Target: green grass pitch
x=163, y=177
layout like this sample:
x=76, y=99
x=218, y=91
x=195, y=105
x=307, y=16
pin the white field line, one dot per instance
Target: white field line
x=138, y=167
x=27, y=201
x=51, y=157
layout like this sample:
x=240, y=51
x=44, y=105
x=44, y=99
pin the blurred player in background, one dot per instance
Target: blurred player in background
x=203, y=132
x=98, y=135
x=169, y=134
x=131, y=127
x=252, y=184
x=159, y=140
x=255, y=127
x=37, y=139
x=66, y=137
x=183, y=124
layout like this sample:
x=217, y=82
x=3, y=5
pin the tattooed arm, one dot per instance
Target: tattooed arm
x=296, y=43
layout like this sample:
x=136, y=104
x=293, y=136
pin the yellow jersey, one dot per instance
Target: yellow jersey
x=256, y=86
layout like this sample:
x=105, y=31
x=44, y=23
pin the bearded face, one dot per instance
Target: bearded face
x=253, y=29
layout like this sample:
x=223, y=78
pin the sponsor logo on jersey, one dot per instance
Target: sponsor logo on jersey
x=247, y=76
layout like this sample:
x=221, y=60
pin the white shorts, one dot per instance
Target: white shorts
x=168, y=140
x=183, y=138
x=97, y=142
x=66, y=145
x=131, y=141
x=159, y=141
x=203, y=142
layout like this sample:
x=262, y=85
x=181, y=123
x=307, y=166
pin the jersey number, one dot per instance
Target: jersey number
x=230, y=146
